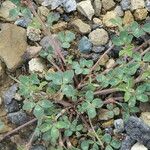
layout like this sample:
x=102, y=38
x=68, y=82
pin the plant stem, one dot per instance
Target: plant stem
x=106, y=91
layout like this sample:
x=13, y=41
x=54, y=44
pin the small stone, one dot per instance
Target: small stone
x=119, y=11
x=38, y=147
x=23, y=22
x=5, y=9
x=97, y=7
x=104, y=60
x=18, y=118
x=36, y=65
x=98, y=49
x=119, y=125
x=45, y=42
x=2, y=70
x=110, y=63
x=43, y=11
x=145, y=116
x=125, y=4
x=140, y=14
x=59, y=27
x=97, y=21
x=33, y=34
x=85, y=45
x=95, y=56
x=108, y=4
x=137, y=4
x=12, y=45
x=138, y=146
x=18, y=97
x=12, y=107
x=69, y=5
x=147, y=5
x=99, y=37
x=128, y=18
x=107, y=17
x=85, y=8
x=81, y=26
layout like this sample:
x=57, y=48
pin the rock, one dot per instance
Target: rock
x=138, y=130
x=43, y=11
x=10, y=94
x=59, y=27
x=97, y=21
x=108, y=4
x=99, y=37
x=45, y=42
x=12, y=45
x=98, y=49
x=104, y=60
x=144, y=107
x=23, y=22
x=85, y=8
x=85, y=45
x=18, y=118
x=95, y=57
x=81, y=26
x=12, y=107
x=65, y=17
x=145, y=116
x=104, y=114
x=18, y=97
x=38, y=147
x=128, y=18
x=106, y=18
x=119, y=125
x=140, y=14
x=125, y=4
x=137, y=4
x=147, y=5
x=138, y=146
x=127, y=143
x=97, y=7
x=119, y=11
x=33, y=34
x=68, y=5
x=2, y=70
x=36, y=65
x=110, y=63
x=5, y=9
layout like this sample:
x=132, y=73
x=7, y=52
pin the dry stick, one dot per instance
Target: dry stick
x=95, y=66
x=107, y=91
x=18, y=128
x=100, y=142
x=46, y=31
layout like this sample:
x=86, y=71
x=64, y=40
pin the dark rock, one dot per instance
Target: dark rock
x=138, y=130
x=125, y=4
x=85, y=45
x=98, y=49
x=18, y=118
x=65, y=17
x=38, y=147
x=23, y=22
x=95, y=56
x=10, y=94
x=45, y=42
x=127, y=143
x=12, y=107
x=119, y=125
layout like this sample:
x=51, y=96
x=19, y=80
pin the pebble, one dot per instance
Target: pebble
x=147, y=5
x=38, y=147
x=45, y=42
x=33, y=34
x=85, y=8
x=125, y=4
x=97, y=7
x=81, y=27
x=36, y=65
x=65, y=17
x=84, y=45
x=99, y=37
x=2, y=70
x=98, y=49
x=119, y=125
x=95, y=56
x=119, y=11
x=10, y=52
x=108, y=4
x=18, y=118
x=12, y=107
x=23, y=22
x=59, y=27
x=128, y=18
x=43, y=11
x=137, y=4
x=106, y=18
x=138, y=146
x=110, y=63
x=145, y=116
x=140, y=14
x=97, y=21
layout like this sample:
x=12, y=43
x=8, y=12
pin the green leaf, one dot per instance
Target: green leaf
x=146, y=27
x=117, y=21
x=52, y=17
x=127, y=96
x=35, y=23
x=141, y=89
x=97, y=103
x=54, y=133
x=132, y=101
x=142, y=97
x=26, y=12
x=65, y=45
x=147, y=57
x=68, y=76
x=117, y=41
x=108, y=147
x=115, y=144
x=91, y=112
x=14, y=12
x=70, y=36
x=61, y=125
x=45, y=127
x=89, y=96
x=1, y=125
x=85, y=145
x=16, y=2
x=38, y=111
x=137, y=56
x=68, y=133
x=28, y=106
x=45, y=103
x=68, y=90
x=107, y=138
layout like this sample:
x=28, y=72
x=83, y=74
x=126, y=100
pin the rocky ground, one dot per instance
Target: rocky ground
x=89, y=19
